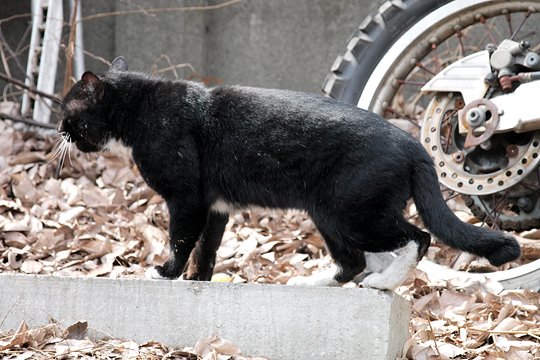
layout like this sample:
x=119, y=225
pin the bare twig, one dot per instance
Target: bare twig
x=32, y=90
x=17, y=16
x=168, y=60
x=432, y=336
x=12, y=54
x=96, y=57
x=6, y=315
x=4, y=61
x=27, y=121
x=534, y=333
x=173, y=68
x=162, y=10
x=70, y=49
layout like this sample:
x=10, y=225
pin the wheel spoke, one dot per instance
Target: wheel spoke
x=423, y=67
x=508, y=18
x=459, y=36
x=436, y=58
x=527, y=14
x=488, y=29
x=399, y=115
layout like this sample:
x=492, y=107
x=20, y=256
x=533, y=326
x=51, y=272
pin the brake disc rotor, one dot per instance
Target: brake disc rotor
x=482, y=170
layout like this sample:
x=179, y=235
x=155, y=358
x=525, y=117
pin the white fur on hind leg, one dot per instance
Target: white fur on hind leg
x=152, y=274
x=397, y=272
x=320, y=278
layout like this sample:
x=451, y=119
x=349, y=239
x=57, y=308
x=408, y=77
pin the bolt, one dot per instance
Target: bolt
x=524, y=44
x=476, y=117
x=458, y=157
x=460, y=104
x=525, y=204
x=512, y=150
x=490, y=47
x=490, y=78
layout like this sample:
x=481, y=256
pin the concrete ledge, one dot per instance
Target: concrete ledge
x=275, y=321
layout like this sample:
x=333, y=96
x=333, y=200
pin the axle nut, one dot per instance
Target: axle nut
x=476, y=117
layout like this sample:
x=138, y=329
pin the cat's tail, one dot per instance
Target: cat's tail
x=496, y=246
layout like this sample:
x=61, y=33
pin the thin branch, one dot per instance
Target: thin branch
x=32, y=90
x=534, y=333
x=18, y=16
x=173, y=68
x=162, y=10
x=96, y=57
x=27, y=121
x=432, y=336
x=12, y=54
x=6, y=315
x=70, y=49
x=4, y=61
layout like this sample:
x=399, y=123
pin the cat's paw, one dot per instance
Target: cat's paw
x=299, y=281
x=196, y=277
x=321, y=278
x=170, y=270
x=379, y=281
x=152, y=274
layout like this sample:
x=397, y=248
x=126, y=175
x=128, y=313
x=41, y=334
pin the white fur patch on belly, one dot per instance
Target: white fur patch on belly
x=223, y=207
x=117, y=147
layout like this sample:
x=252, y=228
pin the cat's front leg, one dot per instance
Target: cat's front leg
x=185, y=227
x=202, y=260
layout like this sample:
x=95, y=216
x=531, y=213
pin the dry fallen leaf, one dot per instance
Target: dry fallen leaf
x=100, y=219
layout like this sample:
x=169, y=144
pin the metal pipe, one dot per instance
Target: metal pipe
x=79, y=46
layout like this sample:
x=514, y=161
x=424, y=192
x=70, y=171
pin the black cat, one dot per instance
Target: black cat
x=210, y=151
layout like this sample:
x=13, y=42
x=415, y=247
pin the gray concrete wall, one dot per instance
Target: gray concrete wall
x=287, y=44
x=271, y=43
x=274, y=321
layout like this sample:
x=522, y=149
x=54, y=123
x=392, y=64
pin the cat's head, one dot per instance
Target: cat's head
x=85, y=121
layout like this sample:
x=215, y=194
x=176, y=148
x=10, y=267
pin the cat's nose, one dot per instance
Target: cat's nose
x=66, y=125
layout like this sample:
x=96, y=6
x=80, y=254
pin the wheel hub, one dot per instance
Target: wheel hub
x=483, y=165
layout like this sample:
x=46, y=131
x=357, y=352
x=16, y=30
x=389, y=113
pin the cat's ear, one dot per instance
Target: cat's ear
x=119, y=64
x=92, y=85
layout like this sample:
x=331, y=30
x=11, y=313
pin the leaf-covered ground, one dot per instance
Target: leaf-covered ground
x=52, y=341
x=98, y=218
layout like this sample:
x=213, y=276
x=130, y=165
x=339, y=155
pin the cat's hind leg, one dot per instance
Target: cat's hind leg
x=407, y=259
x=349, y=260
x=203, y=257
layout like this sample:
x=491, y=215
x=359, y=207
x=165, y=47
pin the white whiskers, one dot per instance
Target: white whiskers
x=61, y=149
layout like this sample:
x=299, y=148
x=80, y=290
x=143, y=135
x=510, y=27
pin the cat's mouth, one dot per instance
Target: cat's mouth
x=86, y=147
x=82, y=144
